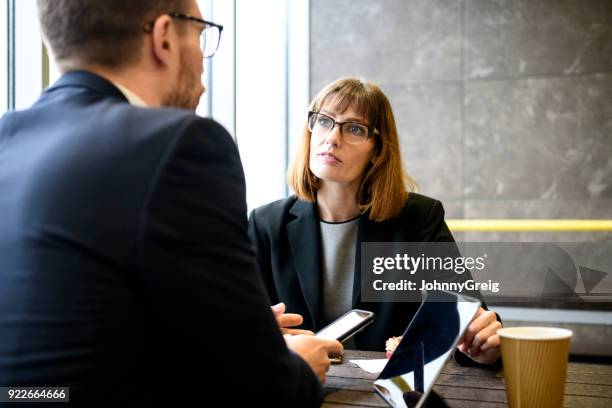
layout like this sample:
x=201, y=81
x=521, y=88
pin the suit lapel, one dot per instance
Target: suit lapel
x=305, y=244
x=368, y=231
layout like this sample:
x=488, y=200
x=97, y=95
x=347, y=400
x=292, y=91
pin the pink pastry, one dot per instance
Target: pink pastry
x=391, y=345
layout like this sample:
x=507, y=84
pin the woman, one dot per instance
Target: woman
x=350, y=187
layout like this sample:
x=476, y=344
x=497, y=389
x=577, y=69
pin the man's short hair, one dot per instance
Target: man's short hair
x=102, y=32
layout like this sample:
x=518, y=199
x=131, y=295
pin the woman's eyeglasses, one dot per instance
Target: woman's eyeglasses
x=352, y=132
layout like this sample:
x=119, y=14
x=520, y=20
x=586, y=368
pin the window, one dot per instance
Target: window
x=28, y=48
x=4, y=50
x=258, y=86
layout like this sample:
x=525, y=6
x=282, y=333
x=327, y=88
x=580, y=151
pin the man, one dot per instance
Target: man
x=126, y=273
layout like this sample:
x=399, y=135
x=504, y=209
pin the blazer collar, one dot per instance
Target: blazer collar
x=305, y=243
x=368, y=231
x=85, y=79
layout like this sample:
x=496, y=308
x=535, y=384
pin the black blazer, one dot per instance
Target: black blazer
x=287, y=242
x=126, y=272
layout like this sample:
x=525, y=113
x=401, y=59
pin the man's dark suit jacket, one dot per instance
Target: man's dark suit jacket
x=287, y=242
x=126, y=272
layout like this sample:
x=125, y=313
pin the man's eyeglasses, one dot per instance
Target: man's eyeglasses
x=211, y=34
x=352, y=132
x=210, y=37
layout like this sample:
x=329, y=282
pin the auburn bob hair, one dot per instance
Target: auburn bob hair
x=385, y=184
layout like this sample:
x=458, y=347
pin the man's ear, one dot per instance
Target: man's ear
x=164, y=39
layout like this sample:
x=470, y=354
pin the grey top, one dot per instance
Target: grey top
x=338, y=241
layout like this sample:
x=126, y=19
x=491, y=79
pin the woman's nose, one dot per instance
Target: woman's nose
x=334, y=136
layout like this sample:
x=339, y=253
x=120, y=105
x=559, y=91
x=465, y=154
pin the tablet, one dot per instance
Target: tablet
x=430, y=339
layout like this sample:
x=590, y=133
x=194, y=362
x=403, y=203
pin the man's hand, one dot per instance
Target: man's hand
x=481, y=341
x=315, y=352
x=286, y=320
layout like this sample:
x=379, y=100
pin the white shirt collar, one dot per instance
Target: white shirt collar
x=131, y=96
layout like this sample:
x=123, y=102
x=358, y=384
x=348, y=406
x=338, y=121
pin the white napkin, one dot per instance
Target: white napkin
x=371, y=366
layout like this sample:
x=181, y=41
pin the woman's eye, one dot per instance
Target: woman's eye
x=325, y=122
x=356, y=130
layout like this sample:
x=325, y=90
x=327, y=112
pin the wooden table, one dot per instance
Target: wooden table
x=587, y=385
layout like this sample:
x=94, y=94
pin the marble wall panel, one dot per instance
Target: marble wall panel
x=387, y=41
x=518, y=38
x=429, y=124
x=538, y=138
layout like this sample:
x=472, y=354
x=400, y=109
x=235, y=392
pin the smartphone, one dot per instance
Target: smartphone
x=346, y=325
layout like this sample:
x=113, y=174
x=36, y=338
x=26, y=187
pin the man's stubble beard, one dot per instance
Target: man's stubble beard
x=187, y=92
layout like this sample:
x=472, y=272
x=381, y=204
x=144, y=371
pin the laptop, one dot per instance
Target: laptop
x=429, y=340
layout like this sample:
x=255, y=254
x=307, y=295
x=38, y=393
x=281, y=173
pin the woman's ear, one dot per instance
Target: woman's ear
x=378, y=147
x=377, y=152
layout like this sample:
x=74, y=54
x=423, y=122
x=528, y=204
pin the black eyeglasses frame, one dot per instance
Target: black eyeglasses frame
x=371, y=130
x=149, y=26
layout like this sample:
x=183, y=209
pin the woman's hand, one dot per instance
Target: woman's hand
x=286, y=320
x=481, y=341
